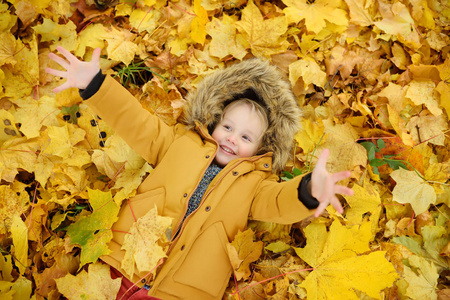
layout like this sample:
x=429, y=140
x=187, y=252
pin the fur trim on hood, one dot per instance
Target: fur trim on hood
x=256, y=80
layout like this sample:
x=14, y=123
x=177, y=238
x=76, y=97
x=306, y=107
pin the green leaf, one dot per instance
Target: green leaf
x=297, y=172
x=380, y=144
x=395, y=164
x=93, y=233
x=377, y=162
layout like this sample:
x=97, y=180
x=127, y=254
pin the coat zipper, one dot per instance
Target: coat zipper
x=180, y=226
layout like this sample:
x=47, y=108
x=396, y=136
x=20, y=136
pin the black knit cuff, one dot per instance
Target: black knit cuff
x=303, y=194
x=93, y=86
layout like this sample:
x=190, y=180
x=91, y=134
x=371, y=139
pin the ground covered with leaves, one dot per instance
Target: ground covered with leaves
x=373, y=78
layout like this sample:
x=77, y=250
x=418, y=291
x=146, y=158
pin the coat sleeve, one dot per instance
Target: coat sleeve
x=278, y=202
x=142, y=131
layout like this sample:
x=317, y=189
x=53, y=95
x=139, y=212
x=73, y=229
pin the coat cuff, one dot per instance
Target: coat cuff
x=93, y=86
x=303, y=194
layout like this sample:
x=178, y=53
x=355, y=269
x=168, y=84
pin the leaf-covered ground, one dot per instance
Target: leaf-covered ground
x=373, y=78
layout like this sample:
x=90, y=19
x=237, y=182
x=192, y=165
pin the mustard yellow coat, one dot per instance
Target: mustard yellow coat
x=197, y=266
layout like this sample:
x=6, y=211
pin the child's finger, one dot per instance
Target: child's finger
x=320, y=209
x=343, y=190
x=62, y=62
x=322, y=161
x=337, y=204
x=340, y=176
x=56, y=72
x=62, y=87
x=69, y=56
x=96, y=56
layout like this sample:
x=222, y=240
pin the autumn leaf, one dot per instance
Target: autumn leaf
x=19, y=233
x=198, y=32
x=100, y=285
x=120, y=46
x=315, y=14
x=340, y=266
x=264, y=37
x=146, y=243
x=224, y=40
x=92, y=233
x=243, y=251
x=412, y=189
x=311, y=135
x=422, y=278
x=63, y=34
x=397, y=22
x=309, y=71
x=365, y=200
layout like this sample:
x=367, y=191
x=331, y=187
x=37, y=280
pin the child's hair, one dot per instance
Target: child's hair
x=255, y=108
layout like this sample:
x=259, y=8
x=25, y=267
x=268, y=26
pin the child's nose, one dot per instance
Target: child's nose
x=231, y=138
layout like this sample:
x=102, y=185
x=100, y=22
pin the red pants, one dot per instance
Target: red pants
x=129, y=291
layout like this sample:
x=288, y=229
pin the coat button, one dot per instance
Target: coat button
x=185, y=195
x=182, y=248
x=266, y=165
x=208, y=208
x=235, y=173
x=207, y=156
x=143, y=280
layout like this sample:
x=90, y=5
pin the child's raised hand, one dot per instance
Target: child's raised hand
x=324, y=187
x=78, y=73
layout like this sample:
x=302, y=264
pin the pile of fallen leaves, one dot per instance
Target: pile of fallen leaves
x=373, y=78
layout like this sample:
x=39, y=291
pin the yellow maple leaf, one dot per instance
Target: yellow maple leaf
x=345, y=152
x=145, y=19
x=14, y=203
x=412, y=189
x=120, y=45
x=340, y=267
x=223, y=38
x=7, y=48
x=198, y=31
x=164, y=101
x=360, y=13
x=422, y=92
x=7, y=20
x=146, y=243
x=64, y=35
x=100, y=285
x=308, y=69
x=397, y=21
x=316, y=13
x=17, y=153
x=90, y=36
x=364, y=200
x=444, y=86
x=311, y=135
x=243, y=251
x=428, y=128
x=422, y=277
x=264, y=37
x=34, y=114
x=19, y=233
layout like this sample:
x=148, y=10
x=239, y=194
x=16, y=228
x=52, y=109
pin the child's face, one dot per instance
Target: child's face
x=239, y=134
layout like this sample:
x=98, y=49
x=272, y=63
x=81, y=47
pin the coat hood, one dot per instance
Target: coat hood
x=257, y=80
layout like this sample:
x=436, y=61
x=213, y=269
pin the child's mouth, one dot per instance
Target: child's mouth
x=227, y=150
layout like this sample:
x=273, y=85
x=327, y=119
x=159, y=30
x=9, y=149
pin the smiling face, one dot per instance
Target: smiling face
x=239, y=133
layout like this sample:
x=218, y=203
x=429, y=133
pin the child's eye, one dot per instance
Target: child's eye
x=226, y=127
x=247, y=138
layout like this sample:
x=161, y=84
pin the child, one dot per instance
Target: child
x=212, y=172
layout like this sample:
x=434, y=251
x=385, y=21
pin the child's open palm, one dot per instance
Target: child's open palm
x=78, y=73
x=324, y=187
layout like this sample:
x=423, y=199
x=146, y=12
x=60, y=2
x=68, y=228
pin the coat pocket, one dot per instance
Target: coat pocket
x=207, y=266
x=135, y=208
